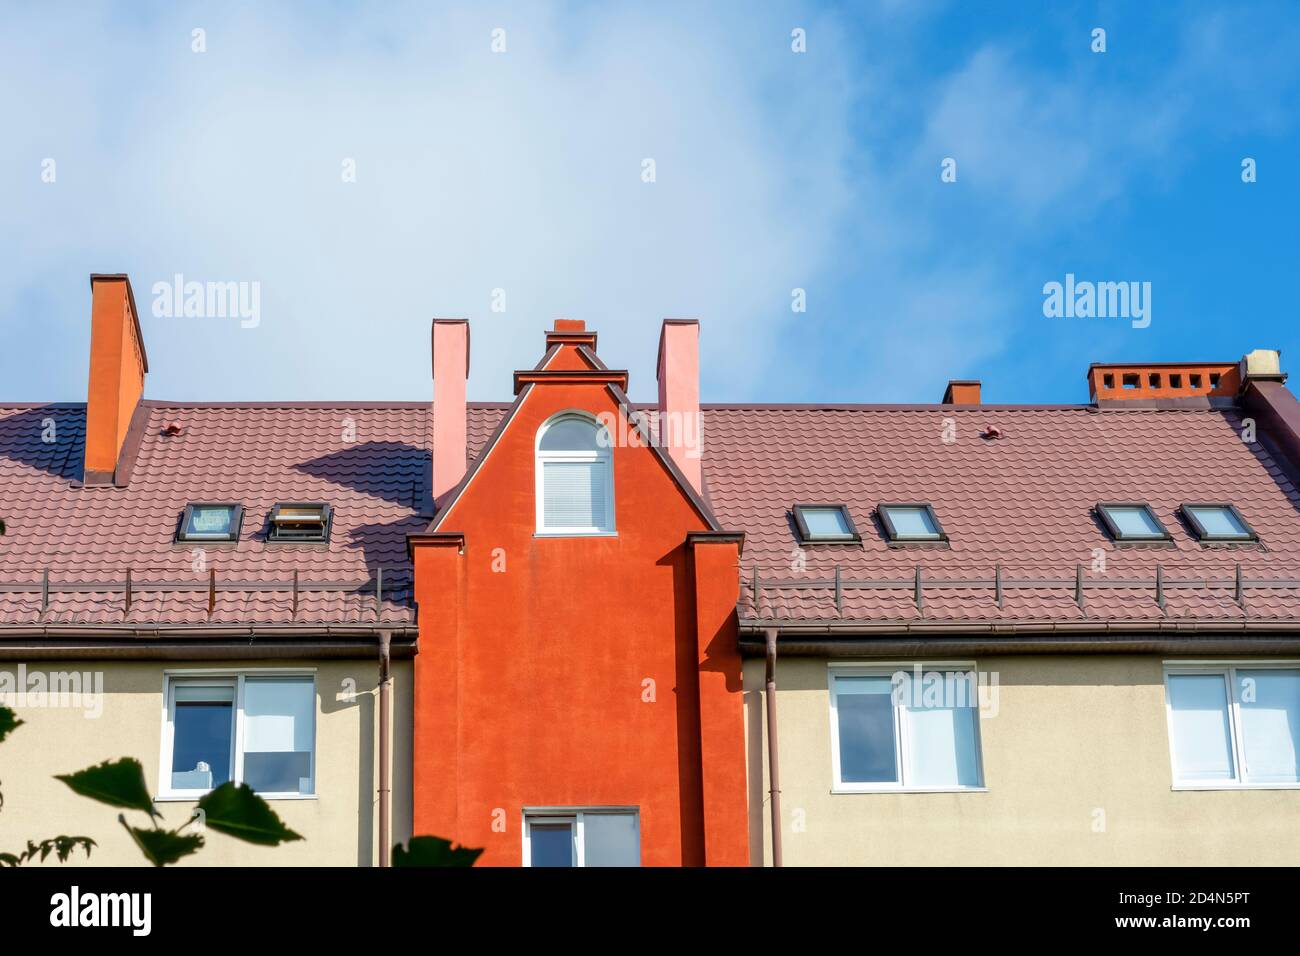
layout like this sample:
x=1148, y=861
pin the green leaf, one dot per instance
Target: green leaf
x=239, y=812
x=433, y=851
x=8, y=722
x=161, y=847
x=119, y=783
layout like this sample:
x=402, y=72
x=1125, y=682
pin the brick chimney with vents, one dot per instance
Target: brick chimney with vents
x=118, y=364
x=962, y=392
x=1157, y=380
x=680, y=422
x=450, y=375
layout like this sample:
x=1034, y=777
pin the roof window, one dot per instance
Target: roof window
x=210, y=522
x=308, y=522
x=906, y=523
x=1129, y=521
x=825, y=523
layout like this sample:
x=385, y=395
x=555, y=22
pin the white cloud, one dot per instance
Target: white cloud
x=475, y=171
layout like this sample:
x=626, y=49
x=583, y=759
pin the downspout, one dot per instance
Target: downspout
x=385, y=785
x=773, y=764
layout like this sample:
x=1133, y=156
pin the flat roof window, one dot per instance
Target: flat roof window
x=1130, y=521
x=210, y=522
x=910, y=522
x=1218, y=522
x=829, y=523
x=297, y=521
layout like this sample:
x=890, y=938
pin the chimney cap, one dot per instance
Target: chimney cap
x=571, y=332
x=130, y=297
x=1262, y=365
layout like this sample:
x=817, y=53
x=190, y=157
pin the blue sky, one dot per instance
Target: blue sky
x=522, y=171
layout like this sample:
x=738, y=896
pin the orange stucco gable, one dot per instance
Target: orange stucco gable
x=567, y=671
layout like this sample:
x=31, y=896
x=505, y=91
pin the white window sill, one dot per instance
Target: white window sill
x=575, y=534
x=839, y=790
x=178, y=798
x=1235, y=786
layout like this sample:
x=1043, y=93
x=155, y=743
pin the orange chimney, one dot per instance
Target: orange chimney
x=1163, y=380
x=962, y=393
x=117, y=368
x=680, y=422
x=450, y=374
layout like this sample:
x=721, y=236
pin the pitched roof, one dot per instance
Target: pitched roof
x=1021, y=501
x=86, y=538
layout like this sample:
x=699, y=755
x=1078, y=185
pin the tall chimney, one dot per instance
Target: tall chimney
x=117, y=368
x=450, y=373
x=680, y=423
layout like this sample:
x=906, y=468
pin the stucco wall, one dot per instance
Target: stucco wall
x=563, y=671
x=339, y=825
x=1072, y=736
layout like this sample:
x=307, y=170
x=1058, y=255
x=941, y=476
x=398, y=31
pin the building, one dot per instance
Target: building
x=1024, y=634
x=962, y=633
x=154, y=605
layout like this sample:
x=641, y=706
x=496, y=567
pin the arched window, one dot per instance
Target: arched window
x=575, y=477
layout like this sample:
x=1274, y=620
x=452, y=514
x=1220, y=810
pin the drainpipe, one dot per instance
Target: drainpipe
x=385, y=785
x=773, y=764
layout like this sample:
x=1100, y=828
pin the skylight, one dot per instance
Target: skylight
x=1218, y=522
x=911, y=522
x=1132, y=522
x=300, y=522
x=210, y=522
x=829, y=523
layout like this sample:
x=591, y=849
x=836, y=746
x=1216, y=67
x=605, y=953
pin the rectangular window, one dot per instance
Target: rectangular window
x=895, y=729
x=300, y=523
x=574, y=495
x=830, y=523
x=910, y=523
x=258, y=729
x=570, y=837
x=1218, y=523
x=210, y=522
x=1132, y=522
x=1234, y=726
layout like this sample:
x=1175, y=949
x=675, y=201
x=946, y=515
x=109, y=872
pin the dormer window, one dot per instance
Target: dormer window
x=1132, y=522
x=829, y=524
x=1219, y=522
x=210, y=522
x=300, y=523
x=575, y=480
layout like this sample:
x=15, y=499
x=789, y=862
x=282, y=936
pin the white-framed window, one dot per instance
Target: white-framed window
x=1234, y=724
x=899, y=728
x=254, y=727
x=575, y=476
x=591, y=836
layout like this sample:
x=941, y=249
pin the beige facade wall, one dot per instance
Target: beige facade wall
x=339, y=825
x=1073, y=739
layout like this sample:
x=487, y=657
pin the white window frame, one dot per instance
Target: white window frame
x=230, y=677
x=603, y=455
x=1228, y=670
x=577, y=817
x=902, y=740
